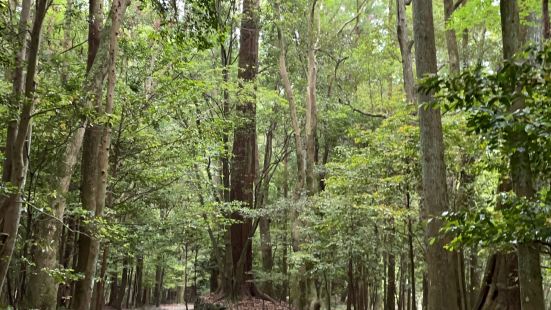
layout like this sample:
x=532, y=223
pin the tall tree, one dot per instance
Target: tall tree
x=95, y=148
x=405, y=50
x=10, y=211
x=451, y=38
x=311, y=121
x=529, y=269
x=443, y=281
x=243, y=168
x=42, y=292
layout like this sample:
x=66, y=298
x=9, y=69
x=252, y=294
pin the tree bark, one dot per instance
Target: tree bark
x=405, y=50
x=390, y=302
x=42, y=291
x=451, y=38
x=289, y=93
x=17, y=88
x=443, y=288
x=100, y=286
x=138, y=294
x=243, y=168
x=124, y=283
x=158, y=285
x=95, y=159
x=10, y=211
x=529, y=269
x=299, y=151
x=263, y=186
x=311, y=121
x=411, y=254
x=545, y=17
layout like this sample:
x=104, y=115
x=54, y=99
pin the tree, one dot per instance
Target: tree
x=243, y=168
x=96, y=145
x=405, y=49
x=443, y=280
x=529, y=270
x=12, y=202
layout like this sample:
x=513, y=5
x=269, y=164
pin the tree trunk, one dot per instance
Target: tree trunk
x=95, y=159
x=124, y=283
x=113, y=295
x=351, y=290
x=311, y=121
x=283, y=73
x=443, y=288
x=529, y=269
x=158, y=285
x=411, y=254
x=243, y=168
x=299, y=147
x=17, y=87
x=451, y=38
x=138, y=292
x=474, y=277
x=545, y=14
x=42, y=291
x=390, y=302
x=500, y=284
x=405, y=50
x=263, y=186
x=100, y=286
x=10, y=211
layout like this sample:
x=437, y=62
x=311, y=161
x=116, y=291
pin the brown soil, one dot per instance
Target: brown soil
x=246, y=303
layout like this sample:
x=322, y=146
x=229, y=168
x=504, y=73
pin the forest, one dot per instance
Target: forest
x=275, y=154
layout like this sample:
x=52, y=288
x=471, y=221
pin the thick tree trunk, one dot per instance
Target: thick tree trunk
x=10, y=211
x=529, y=269
x=243, y=168
x=500, y=288
x=88, y=247
x=405, y=50
x=95, y=159
x=500, y=284
x=443, y=288
x=42, y=291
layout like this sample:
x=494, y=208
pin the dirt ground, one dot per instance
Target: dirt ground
x=162, y=307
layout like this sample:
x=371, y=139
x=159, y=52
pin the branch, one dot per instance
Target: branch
x=368, y=114
x=457, y=5
x=353, y=18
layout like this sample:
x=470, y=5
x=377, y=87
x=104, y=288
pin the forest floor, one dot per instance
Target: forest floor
x=162, y=307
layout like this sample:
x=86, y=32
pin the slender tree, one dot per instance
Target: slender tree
x=405, y=50
x=10, y=211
